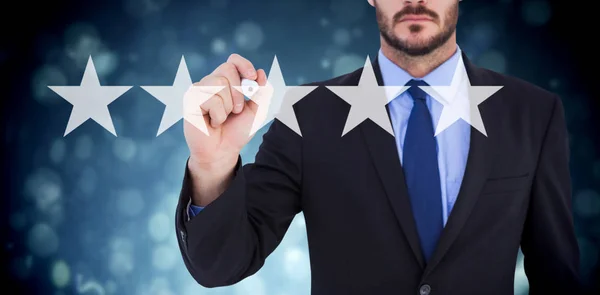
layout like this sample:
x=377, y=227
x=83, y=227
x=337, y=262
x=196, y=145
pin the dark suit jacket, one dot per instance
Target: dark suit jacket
x=361, y=234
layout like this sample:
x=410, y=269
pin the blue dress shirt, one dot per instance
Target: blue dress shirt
x=452, y=143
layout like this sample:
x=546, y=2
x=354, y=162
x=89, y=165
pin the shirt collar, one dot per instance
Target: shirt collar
x=394, y=75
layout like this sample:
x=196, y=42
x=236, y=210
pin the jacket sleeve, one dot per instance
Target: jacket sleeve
x=549, y=244
x=231, y=237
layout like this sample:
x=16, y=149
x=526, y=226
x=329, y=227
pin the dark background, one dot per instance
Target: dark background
x=91, y=213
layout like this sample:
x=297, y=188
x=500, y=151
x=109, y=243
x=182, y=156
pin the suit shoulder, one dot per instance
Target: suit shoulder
x=345, y=79
x=519, y=88
x=525, y=103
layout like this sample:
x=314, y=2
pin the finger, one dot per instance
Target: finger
x=229, y=72
x=244, y=67
x=246, y=70
x=212, y=81
x=217, y=113
x=261, y=77
x=214, y=102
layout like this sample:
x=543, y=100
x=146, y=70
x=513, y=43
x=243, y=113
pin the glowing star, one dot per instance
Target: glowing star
x=275, y=99
x=90, y=100
x=368, y=100
x=172, y=97
x=461, y=100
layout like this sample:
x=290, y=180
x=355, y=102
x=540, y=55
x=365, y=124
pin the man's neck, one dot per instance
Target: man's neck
x=420, y=66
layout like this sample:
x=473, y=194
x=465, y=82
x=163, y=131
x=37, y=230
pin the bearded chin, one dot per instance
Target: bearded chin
x=419, y=47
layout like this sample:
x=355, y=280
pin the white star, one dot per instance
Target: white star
x=90, y=100
x=172, y=97
x=368, y=100
x=276, y=100
x=461, y=100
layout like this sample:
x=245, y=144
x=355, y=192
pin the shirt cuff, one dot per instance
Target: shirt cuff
x=193, y=210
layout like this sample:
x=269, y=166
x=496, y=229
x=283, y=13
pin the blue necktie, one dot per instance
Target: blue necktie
x=421, y=171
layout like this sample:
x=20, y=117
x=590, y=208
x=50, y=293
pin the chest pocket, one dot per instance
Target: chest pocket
x=506, y=184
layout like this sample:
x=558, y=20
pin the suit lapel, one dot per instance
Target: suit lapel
x=384, y=153
x=476, y=172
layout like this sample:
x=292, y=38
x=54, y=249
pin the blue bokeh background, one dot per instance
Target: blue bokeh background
x=91, y=213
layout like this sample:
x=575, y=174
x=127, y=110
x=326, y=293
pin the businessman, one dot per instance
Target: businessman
x=411, y=213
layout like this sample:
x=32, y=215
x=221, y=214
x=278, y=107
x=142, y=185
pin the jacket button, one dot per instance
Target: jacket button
x=425, y=290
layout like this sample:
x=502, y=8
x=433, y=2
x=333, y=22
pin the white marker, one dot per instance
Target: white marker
x=249, y=87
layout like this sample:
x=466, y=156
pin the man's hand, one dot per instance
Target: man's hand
x=229, y=118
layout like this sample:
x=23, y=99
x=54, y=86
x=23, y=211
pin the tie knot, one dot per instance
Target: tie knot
x=414, y=90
